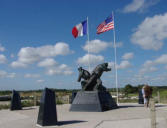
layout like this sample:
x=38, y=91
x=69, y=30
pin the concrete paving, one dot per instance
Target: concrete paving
x=127, y=116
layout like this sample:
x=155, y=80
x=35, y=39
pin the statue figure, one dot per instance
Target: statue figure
x=83, y=74
x=92, y=82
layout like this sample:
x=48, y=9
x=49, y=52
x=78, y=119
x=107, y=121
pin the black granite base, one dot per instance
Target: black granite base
x=93, y=101
x=15, y=101
x=47, y=115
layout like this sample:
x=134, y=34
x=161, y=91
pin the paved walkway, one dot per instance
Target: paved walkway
x=127, y=116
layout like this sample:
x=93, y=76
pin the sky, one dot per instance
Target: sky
x=37, y=48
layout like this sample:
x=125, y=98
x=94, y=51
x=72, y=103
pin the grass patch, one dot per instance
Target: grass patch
x=4, y=106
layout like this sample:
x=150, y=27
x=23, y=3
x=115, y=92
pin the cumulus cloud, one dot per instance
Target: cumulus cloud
x=90, y=58
x=48, y=62
x=30, y=55
x=40, y=81
x=2, y=59
x=151, y=33
x=2, y=49
x=31, y=75
x=18, y=64
x=124, y=64
x=128, y=56
x=139, y=5
x=148, y=66
x=111, y=64
x=4, y=74
x=162, y=59
x=96, y=46
x=62, y=69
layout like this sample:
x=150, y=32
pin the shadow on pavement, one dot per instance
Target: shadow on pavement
x=70, y=122
x=130, y=106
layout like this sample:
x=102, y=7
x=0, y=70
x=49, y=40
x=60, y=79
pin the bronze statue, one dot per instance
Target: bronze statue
x=92, y=82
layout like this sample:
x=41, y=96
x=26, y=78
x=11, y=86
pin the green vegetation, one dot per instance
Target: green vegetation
x=4, y=106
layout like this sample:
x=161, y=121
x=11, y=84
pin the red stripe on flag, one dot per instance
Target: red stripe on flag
x=74, y=32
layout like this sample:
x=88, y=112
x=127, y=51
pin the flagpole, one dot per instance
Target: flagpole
x=88, y=45
x=115, y=51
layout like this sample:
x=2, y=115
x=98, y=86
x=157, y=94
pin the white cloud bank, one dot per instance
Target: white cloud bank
x=97, y=46
x=40, y=81
x=139, y=5
x=2, y=59
x=31, y=75
x=149, y=65
x=128, y=56
x=4, y=74
x=151, y=33
x=48, y=62
x=124, y=64
x=62, y=69
x=30, y=55
x=90, y=58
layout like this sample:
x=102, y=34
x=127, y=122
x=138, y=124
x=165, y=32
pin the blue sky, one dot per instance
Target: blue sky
x=37, y=48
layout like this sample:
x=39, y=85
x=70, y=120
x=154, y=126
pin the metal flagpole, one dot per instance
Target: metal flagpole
x=88, y=44
x=115, y=51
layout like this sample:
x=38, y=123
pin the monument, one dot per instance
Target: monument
x=15, y=101
x=47, y=115
x=93, y=97
x=141, y=99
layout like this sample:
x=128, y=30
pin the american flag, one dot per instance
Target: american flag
x=107, y=25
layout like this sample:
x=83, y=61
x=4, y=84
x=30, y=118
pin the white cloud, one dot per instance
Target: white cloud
x=90, y=58
x=30, y=55
x=111, y=64
x=2, y=49
x=162, y=59
x=2, y=59
x=118, y=44
x=48, y=62
x=151, y=33
x=18, y=64
x=40, y=81
x=96, y=46
x=124, y=64
x=62, y=69
x=139, y=5
x=128, y=56
x=148, y=67
x=31, y=75
x=147, y=70
x=4, y=74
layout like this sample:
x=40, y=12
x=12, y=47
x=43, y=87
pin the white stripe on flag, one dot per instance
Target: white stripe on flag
x=80, y=29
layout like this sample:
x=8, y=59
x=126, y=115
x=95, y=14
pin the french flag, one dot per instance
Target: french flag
x=80, y=29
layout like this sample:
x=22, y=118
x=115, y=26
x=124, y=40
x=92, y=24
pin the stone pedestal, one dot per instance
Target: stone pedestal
x=15, y=101
x=73, y=96
x=141, y=100
x=47, y=115
x=93, y=101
